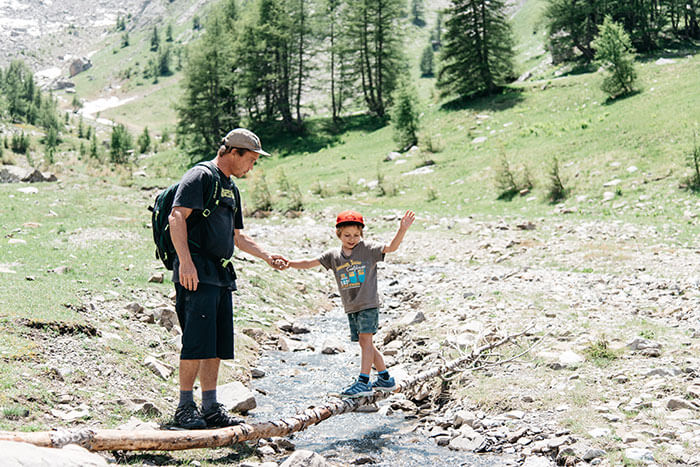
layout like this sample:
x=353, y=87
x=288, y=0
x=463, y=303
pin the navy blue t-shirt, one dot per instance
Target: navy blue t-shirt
x=215, y=233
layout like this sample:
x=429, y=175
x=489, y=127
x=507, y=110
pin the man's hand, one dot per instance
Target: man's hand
x=187, y=274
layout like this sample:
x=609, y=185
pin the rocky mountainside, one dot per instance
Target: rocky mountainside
x=49, y=33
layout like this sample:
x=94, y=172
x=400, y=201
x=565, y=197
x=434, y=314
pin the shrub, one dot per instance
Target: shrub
x=260, y=193
x=556, y=191
x=693, y=181
x=120, y=145
x=507, y=183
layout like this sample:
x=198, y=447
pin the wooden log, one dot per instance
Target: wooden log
x=165, y=440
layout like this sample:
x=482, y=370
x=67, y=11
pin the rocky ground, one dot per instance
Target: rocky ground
x=609, y=308
x=49, y=34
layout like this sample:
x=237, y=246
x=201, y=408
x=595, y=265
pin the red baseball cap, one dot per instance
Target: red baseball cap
x=349, y=217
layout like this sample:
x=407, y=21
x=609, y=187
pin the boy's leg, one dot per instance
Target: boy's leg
x=368, y=353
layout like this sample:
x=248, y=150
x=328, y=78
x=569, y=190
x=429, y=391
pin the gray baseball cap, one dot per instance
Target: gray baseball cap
x=244, y=139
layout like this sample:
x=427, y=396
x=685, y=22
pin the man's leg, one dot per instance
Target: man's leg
x=187, y=415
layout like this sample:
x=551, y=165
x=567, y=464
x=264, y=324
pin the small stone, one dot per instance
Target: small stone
x=156, y=278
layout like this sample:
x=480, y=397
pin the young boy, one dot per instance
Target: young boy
x=355, y=269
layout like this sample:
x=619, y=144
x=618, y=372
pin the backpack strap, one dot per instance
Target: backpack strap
x=214, y=196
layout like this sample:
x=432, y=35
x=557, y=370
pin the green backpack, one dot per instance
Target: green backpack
x=165, y=250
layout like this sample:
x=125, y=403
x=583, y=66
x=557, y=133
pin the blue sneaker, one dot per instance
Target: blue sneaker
x=357, y=389
x=384, y=385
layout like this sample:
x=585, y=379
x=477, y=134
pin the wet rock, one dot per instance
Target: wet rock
x=298, y=328
x=257, y=373
x=367, y=408
x=25, y=454
x=266, y=451
x=304, y=458
x=465, y=443
x=283, y=444
x=236, y=397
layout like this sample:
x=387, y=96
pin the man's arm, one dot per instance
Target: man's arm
x=187, y=272
x=406, y=222
x=247, y=244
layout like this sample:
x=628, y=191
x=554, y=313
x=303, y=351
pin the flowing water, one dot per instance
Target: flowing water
x=294, y=381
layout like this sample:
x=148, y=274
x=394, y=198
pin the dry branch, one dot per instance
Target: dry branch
x=164, y=440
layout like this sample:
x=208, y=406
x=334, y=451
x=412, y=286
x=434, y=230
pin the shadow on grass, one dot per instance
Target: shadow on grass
x=613, y=100
x=316, y=135
x=508, y=97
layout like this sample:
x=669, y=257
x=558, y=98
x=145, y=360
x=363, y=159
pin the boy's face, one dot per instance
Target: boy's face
x=350, y=236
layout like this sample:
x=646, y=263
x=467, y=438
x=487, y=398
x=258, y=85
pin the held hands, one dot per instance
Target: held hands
x=407, y=220
x=278, y=262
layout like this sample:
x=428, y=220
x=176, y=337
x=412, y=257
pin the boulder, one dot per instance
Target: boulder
x=14, y=174
x=236, y=397
x=25, y=454
x=303, y=458
x=79, y=65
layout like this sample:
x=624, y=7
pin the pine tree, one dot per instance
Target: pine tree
x=426, y=62
x=404, y=115
x=477, y=50
x=155, y=39
x=209, y=106
x=94, y=153
x=375, y=42
x=169, y=33
x=120, y=145
x=144, y=141
x=612, y=51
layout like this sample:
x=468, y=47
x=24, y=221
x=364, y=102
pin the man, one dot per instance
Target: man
x=203, y=275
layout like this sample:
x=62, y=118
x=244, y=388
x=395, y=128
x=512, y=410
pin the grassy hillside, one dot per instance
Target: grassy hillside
x=595, y=141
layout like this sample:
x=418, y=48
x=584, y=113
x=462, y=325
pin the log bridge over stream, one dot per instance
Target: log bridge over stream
x=172, y=440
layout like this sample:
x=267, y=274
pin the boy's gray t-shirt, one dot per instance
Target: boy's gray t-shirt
x=356, y=275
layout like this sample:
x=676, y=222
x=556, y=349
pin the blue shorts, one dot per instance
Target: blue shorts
x=206, y=320
x=363, y=322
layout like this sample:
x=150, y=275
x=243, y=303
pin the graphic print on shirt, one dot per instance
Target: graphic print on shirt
x=351, y=274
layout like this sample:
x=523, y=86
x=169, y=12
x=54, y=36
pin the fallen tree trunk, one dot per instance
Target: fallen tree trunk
x=165, y=440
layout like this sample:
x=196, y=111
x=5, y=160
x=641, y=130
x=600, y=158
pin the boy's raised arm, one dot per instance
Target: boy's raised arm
x=406, y=222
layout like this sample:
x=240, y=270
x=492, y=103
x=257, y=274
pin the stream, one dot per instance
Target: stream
x=294, y=381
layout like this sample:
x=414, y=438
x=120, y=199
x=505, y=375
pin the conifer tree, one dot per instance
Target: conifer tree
x=155, y=39
x=404, y=115
x=209, y=106
x=612, y=51
x=120, y=145
x=477, y=49
x=376, y=40
x=144, y=141
x=426, y=62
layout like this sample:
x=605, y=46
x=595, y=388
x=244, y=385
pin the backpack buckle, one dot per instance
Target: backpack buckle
x=225, y=262
x=206, y=213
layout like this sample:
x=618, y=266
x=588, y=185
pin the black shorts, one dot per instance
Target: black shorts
x=206, y=320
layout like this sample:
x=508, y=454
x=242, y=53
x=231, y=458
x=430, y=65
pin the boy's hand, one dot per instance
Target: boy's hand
x=407, y=220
